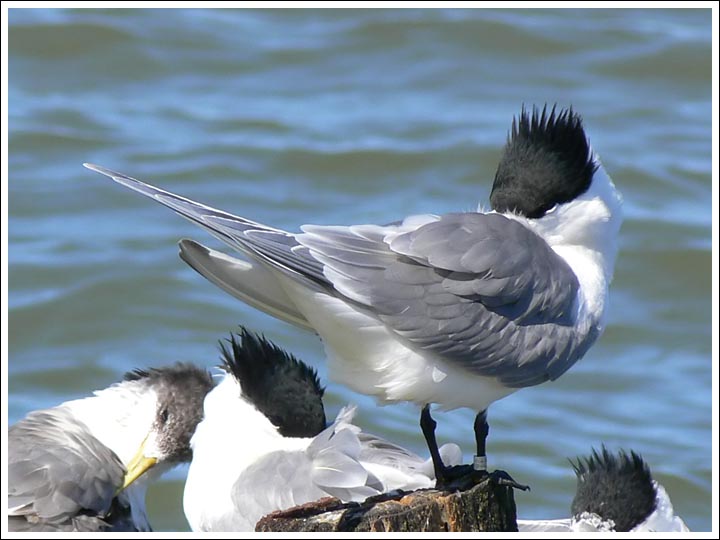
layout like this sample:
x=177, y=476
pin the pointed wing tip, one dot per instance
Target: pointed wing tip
x=114, y=175
x=99, y=169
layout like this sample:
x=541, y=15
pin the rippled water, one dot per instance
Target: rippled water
x=358, y=116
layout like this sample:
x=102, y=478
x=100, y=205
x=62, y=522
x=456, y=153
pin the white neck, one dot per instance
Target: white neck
x=232, y=436
x=120, y=416
x=663, y=518
x=590, y=222
x=584, y=233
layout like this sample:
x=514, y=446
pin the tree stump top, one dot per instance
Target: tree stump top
x=485, y=506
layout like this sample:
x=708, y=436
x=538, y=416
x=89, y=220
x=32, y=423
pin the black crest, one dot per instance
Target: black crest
x=618, y=487
x=547, y=161
x=283, y=388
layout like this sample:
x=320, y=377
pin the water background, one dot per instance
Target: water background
x=358, y=116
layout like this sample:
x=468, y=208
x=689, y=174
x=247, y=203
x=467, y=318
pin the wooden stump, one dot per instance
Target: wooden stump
x=481, y=507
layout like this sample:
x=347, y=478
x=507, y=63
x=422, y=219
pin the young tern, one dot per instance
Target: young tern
x=85, y=465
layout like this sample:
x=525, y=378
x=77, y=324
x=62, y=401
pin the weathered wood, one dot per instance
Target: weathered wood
x=485, y=506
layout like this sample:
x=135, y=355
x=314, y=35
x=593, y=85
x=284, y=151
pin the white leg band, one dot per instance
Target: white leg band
x=480, y=463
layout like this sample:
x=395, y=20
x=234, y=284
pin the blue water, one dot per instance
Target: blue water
x=358, y=116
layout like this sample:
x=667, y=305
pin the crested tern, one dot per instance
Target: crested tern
x=458, y=310
x=85, y=465
x=615, y=492
x=263, y=444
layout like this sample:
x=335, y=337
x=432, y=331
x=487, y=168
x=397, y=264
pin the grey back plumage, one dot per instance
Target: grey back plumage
x=481, y=290
x=61, y=478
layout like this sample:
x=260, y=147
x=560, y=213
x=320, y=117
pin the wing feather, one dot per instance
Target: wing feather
x=481, y=290
x=57, y=470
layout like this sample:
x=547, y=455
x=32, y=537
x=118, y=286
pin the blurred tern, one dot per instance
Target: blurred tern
x=460, y=309
x=614, y=493
x=85, y=465
x=263, y=445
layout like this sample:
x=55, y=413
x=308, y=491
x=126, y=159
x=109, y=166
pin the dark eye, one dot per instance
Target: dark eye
x=164, y=413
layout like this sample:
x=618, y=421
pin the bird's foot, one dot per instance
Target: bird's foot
x=501, y=478
x=462, y=477
x=453, y=478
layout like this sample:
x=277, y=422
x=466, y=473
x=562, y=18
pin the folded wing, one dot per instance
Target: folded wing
x=60, y=477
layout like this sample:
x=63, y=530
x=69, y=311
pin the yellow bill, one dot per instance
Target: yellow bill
x=138, y=465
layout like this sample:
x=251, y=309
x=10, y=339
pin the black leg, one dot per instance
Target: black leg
x=501, y=478
x=482, y=429
x=428, y=425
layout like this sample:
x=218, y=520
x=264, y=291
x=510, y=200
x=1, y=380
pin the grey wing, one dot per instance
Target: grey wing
x=481, y=290
x=377, y=450
x=329, y=467
x=278, y=249
x=369, y=448
x=273, y=246
x=116, y=522
x=382, y=452
x=277, y=481
x=57, y=469
x=254, y=284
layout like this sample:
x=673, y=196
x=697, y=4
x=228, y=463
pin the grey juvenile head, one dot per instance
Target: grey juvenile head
x=181, y=390
x=617, y=487
x=547, y=161
x=283, y=388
